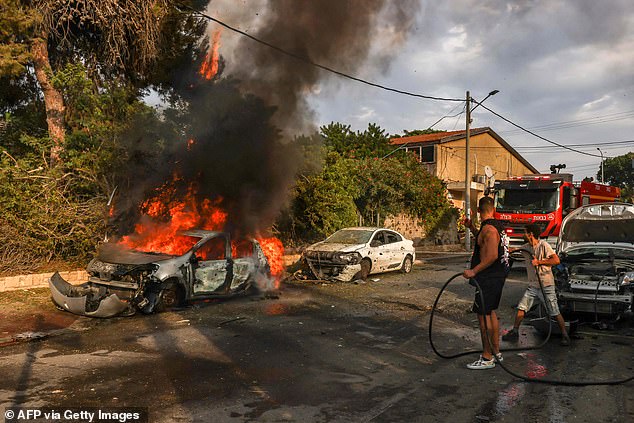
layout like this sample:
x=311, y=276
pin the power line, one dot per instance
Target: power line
x=449, y=116
x=594, y=144
x=310, y=62
x=539, y=136
x=578, y=122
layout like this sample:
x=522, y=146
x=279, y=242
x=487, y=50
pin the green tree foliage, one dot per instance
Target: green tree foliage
x=414, y=132
x=357, y=183
x=59, y=213
x=373, y=142
x=618, y=171
x=16, y=23
x=324, y=202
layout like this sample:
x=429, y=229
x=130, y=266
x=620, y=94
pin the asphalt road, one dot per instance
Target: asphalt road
x=334, y=352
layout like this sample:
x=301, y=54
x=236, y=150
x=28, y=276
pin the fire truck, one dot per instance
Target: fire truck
x=544, y=199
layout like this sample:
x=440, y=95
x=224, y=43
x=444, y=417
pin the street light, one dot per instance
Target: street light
x=467, y=181
x=602, y=180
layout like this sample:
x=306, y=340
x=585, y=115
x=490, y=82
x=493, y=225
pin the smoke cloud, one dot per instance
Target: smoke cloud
x=242, y=122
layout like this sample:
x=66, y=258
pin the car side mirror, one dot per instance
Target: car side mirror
x=375, y=243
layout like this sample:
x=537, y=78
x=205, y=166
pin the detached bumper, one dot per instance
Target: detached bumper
x=333, y=271
x=84, y=299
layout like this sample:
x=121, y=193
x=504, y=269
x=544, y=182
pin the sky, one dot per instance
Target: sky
x=563, y=68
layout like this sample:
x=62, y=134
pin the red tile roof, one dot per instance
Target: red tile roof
x=438, y=136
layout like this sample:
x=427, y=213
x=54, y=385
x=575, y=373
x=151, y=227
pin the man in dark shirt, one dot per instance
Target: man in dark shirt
x=489, y=267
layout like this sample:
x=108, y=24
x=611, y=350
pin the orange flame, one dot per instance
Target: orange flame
x=209, y=67
x=153, y=233
x=274, y=251
x=190, y=144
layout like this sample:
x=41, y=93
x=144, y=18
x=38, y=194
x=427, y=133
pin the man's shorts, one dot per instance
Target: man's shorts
x=491, y=294
x=532, y=294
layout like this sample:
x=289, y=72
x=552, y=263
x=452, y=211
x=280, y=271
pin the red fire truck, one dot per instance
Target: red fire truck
x=544, y=199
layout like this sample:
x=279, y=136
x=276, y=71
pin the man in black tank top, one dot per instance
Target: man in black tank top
x=489, y=267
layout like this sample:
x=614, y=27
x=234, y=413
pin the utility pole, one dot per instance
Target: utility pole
x=467, y=178
x=602, y=180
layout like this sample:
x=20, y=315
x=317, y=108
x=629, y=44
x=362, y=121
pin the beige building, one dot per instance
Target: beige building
x=443, y=155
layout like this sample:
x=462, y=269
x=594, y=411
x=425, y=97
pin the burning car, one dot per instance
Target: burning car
x=355, y=253
x=123, y=280
x=596, y=248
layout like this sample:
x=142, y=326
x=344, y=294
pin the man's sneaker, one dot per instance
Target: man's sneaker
x=512, y=335
x=565, y=341
x=499, y=357
x=482, y=364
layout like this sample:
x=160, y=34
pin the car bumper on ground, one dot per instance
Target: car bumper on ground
x=75, y=299
x=333, y=271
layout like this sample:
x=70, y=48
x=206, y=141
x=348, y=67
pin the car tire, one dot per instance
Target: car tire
x=366, y=267
x=170, y=297
x=407, y=264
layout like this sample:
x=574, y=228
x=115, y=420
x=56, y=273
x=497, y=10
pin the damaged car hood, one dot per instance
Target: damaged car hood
x=598, y=225
x=114, y=253
x=331, y=247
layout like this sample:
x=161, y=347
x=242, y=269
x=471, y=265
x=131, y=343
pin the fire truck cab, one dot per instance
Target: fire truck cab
x=544, y=199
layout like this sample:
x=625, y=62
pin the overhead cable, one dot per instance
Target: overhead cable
x=539, y=136
x=312, y=63
x=578, y=122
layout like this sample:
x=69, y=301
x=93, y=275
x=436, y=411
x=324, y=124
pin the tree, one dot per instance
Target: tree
x=414, y=132
x=373, y=142
x=619, y=171
x=114, y=39
x=324, y=202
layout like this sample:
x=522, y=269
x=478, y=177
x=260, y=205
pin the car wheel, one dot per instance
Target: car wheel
x=407, y=264
x=366, y=266
x=170, y=297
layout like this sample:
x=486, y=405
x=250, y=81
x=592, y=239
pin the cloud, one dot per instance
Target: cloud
x=552, y=61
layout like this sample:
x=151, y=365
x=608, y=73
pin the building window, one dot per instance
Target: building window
x=424, y=154
x=427, y=154
x=415, y=151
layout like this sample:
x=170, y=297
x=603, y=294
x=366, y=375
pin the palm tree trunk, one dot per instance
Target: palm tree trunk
x=53, y=100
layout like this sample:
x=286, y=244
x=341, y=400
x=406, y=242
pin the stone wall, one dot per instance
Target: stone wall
x=412, y=228
x=408, y=226
x=40, y=280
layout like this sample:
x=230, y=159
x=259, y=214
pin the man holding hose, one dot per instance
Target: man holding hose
x=540, y=268
x=489, y=267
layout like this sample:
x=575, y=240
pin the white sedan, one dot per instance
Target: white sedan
x=355, y=253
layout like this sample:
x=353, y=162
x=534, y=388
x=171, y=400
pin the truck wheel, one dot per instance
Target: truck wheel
x=407, y=264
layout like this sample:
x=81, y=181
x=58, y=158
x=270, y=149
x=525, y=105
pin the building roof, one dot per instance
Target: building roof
x=443, y=137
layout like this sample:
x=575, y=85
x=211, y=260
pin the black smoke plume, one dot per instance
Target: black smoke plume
x=240, y=123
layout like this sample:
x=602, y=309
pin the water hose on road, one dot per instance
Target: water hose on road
x=559, y=382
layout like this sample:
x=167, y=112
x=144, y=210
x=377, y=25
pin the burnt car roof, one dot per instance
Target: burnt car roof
x=202, y=233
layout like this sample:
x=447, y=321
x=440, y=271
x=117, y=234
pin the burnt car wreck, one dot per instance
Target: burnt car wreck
x=122, y=281
x=596, y=248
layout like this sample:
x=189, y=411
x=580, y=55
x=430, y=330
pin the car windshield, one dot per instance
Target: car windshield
x=350, y=236
x=526, y=200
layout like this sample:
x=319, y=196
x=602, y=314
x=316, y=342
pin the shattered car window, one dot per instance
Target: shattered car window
x=214, y=249
x=350, y=237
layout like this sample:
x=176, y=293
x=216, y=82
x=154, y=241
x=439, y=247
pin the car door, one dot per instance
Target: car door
x=243, y=257
x=212, y=266
x=396, y=251
x=379, y=252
